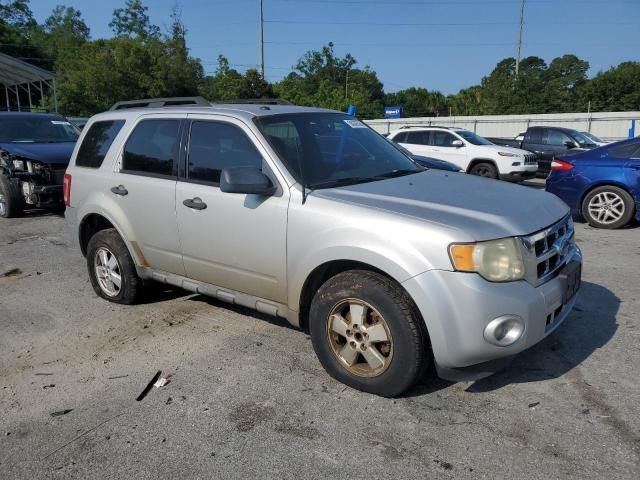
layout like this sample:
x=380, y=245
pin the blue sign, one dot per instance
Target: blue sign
x=392, y=112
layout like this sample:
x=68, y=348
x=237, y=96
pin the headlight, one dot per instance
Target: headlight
x=507, y=154
x=495, y=260
x=19, y=165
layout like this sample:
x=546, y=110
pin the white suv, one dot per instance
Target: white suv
x=472, y=153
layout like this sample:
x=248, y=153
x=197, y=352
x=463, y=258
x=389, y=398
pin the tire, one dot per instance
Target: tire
x=400, y=362
x=11, y=200
x=484, y=169
x=107, y=249
x=608, y=207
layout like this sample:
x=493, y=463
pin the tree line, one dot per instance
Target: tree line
x=141, y=61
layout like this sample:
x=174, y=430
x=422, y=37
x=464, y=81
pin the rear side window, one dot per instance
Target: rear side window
x=533, y=135
x=214, y=146
x=630, y=150
x=418, y=138
x=400, y=138
x=152, y=148
x=97, y=142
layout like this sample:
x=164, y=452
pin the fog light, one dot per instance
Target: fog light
x=504, y=331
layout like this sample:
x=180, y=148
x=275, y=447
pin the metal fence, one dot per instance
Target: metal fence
x=609, y=126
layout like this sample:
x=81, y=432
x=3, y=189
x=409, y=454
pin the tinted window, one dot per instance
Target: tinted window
x=214, y=146
x=534, y=135
x=473, y=138
x=400, y=138
x=630, y=150
x=555, y=137
x=418, y=138
x=97, y=142
x=442, y=139
x=152, y=148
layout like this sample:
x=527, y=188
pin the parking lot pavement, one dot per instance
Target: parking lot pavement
x=248, y=396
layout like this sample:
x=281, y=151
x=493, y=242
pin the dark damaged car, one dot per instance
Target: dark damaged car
x=35, y=149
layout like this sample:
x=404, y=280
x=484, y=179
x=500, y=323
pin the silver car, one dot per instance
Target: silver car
x=310, y=215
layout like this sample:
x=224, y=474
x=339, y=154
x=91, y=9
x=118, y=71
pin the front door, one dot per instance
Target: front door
x=237, y=241
x=443, y=149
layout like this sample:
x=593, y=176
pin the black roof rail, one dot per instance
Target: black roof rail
x=253, y=101
x=161, y=102
x=423, y=126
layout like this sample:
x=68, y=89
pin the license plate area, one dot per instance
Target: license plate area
x=571, y=278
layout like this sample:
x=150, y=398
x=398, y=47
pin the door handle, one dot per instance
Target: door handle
x=120, y=190
x=195, y=203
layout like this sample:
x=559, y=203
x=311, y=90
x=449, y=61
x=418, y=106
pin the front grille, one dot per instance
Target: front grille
x=549, y=250
x=530, y=159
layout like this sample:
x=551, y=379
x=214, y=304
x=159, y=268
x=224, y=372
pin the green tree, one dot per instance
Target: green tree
x=617, y=89
x=133, y=21
x=564, y=78
x=416, y=102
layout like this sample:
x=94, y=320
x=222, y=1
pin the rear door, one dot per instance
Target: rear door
x=237, y=241
x=417, y=142
x=144, y=185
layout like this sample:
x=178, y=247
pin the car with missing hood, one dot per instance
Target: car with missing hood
x=35, y=149
x=390, y=267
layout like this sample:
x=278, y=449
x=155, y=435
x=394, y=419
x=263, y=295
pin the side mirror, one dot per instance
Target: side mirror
x=457, y=143
x=570, y=144
x=249, y=180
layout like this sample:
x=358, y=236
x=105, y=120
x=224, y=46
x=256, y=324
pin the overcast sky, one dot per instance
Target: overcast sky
x=438, y=44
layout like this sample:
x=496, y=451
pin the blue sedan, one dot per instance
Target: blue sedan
x=602, y=185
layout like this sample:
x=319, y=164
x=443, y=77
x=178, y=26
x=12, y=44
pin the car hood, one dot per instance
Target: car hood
x=55, y=154
x=478, y=208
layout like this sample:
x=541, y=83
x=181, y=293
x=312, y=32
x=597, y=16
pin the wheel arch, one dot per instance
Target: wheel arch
x=476, y=161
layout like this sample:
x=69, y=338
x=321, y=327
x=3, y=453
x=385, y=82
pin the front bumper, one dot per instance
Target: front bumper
x=457, y=307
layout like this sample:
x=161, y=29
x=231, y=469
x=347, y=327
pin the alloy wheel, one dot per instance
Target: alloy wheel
x=606, y=207
x=360, y=338
x=107, y=270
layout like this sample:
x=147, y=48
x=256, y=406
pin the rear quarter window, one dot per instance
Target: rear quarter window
x=96, y=143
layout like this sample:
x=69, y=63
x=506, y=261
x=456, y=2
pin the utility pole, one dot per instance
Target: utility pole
x=520, y=37
x=346, y=86
x=261, y=27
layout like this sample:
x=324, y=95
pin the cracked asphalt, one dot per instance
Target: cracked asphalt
x=249, y=398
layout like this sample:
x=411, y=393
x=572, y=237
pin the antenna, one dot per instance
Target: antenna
x=520, y=37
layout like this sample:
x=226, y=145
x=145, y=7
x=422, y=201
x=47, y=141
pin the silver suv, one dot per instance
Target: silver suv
x=310, y=215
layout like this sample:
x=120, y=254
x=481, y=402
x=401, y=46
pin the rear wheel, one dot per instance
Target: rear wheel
x=608, y=207
x=368, y=334
x=11, y=200
x=111, y=268
x=484, y=169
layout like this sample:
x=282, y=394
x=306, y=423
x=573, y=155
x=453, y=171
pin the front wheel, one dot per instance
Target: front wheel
x=484, y=169
x=11, y=200
x=608, y=207
x=367, y=333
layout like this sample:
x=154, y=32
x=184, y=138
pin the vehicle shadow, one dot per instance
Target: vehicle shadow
x=589, y=327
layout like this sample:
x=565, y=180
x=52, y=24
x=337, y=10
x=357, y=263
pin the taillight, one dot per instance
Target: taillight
x=66, y=189
x=560, y=165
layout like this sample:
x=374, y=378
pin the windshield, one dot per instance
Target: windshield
x=592, y=137
x=473, y=138
x=31, y=129
x=583, y=140
x=322, y=150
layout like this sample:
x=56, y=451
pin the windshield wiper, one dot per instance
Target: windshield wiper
x=399, y=173
x=342, y=181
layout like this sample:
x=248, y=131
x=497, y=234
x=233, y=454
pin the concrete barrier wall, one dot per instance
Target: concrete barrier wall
x=606, y=125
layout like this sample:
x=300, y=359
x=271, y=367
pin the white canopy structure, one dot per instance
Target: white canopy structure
x=20, y=78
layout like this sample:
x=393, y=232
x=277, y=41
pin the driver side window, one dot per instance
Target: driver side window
x=214, y=146
x=442, y=139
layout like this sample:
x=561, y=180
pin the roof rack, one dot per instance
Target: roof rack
x=161, y=102
x=423, y=126
x=253, y=101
